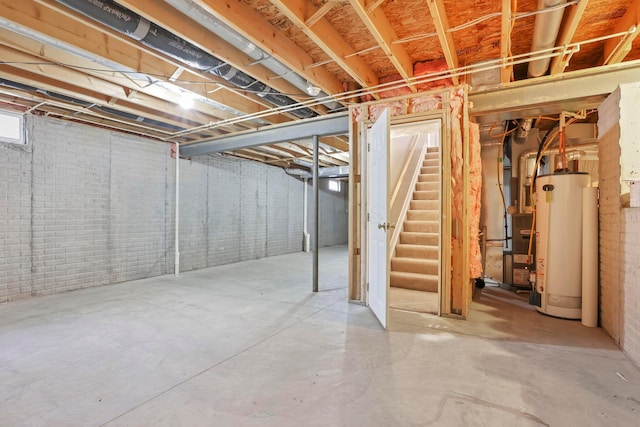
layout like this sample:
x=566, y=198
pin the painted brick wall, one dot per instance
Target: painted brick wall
x=194, y=208
x=631, y=282
x=224, y=207
x=15, y=221
x=137, y=226
x=619, y=226
x=610, y=215
x=81, y=206
x=333, y=214
x=253, y=211
x=71, y=200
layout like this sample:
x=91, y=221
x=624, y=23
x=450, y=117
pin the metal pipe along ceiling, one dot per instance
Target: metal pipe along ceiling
x=198, y=14
x=545, y=33
x=89, y=105
x=133, y=25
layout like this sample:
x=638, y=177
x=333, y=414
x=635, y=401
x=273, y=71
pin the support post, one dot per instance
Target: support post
x=306, y=244
x=316, y=216
x=177, y=243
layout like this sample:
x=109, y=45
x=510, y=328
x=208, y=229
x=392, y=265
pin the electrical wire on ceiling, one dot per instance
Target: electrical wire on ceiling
x=345, y=97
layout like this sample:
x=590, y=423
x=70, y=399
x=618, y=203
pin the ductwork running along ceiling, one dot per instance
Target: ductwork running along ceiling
x=191, y=70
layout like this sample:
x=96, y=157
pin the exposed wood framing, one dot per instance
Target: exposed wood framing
x=505, y=40
x=446, y=224
x=51, y=19
x=85, y=87
x=200, y=36
x=321, y=12
x=572, y=18
x=128, y=52
x=328, y=39
x=382, y=30
x=615, y=50
x=441, y=22
x=251, y=25
x=152, y=96
x=467, y=291
x=373, y=5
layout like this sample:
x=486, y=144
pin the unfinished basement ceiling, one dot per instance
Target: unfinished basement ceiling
x=247, y=63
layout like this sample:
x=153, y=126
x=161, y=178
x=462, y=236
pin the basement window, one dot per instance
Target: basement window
x=334, y=186
x=11, y=128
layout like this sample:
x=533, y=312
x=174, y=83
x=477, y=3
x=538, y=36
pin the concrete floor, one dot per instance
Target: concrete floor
x=249, y=345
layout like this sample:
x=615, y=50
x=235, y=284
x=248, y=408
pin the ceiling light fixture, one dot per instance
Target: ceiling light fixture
x=312, y=90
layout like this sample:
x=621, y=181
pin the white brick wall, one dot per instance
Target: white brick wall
x=224, y=205
x=333, y=214
x=71, y=191
x=619, y=232
x=81, y=207
x=631, y=282
x=15, y=221
x=609, y=221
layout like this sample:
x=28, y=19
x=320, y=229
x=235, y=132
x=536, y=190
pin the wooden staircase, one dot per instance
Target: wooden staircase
x=415, y=264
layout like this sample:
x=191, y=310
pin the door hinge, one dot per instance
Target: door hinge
x=368, y=147
x=367, y=286
x=368, y=217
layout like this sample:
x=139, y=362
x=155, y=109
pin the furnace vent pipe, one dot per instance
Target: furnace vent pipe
x=545, y=33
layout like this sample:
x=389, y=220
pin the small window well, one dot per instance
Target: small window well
x=11, y=128
x=334, y=186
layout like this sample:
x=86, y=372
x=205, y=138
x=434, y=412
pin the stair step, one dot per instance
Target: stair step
x=417, y=251
x=414, y=265
x=421, y=226
x=425, y=195
x=431, y=215
x=425, y=170
x=416, y=238
x=433, y=150
x=415, y=281
x=430, y=163
x=424, y=205
x=428, y=186
x=428, y=178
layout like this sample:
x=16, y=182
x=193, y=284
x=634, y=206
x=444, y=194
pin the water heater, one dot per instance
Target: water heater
x=559, y=237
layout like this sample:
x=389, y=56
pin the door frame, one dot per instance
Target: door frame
x=454, y=296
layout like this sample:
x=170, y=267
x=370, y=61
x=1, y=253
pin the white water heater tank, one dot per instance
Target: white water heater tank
x=559, y=243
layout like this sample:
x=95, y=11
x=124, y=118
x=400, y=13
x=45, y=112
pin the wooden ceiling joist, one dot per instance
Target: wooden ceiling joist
x=86, y=88
x=321, y=12
x=55, y=21
x=616, y=49
x=441, y=22
x=570, y=22
x=247, y=22
x=190, y=30
x=328, y=39
x=505, y=40
x=152, y=96
x=384, y=34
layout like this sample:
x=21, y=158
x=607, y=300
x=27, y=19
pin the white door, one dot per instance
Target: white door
x=378, y=208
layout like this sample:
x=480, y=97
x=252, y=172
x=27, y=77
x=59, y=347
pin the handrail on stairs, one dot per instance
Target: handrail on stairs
x=397, y=211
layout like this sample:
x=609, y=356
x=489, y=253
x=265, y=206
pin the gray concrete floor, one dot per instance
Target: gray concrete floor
x=249, y=345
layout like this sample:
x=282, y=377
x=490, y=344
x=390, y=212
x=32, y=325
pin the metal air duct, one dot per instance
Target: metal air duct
x=89, y=105
x=135, y=26
x=545, y=33
x=201, y=16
